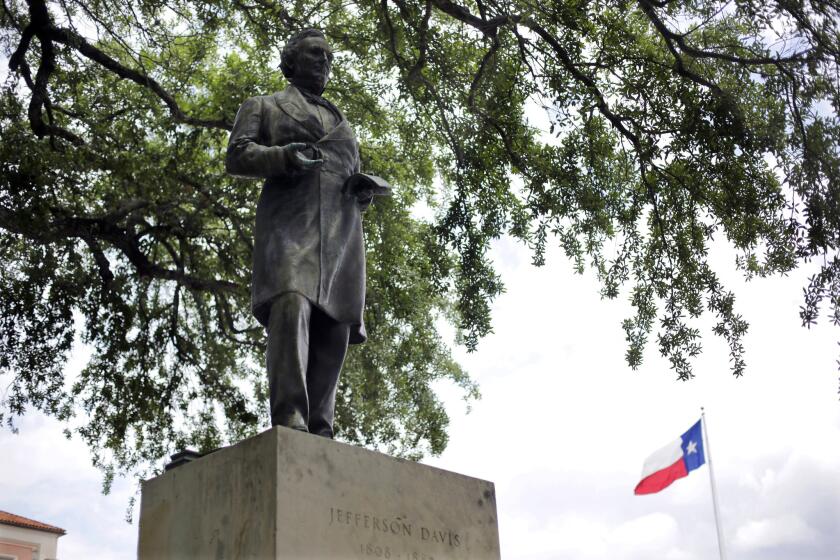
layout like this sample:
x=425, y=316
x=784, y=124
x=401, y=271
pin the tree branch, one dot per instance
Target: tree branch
x=589, y=83
x=486, y=26
x=39, y=19
x=77, y=42
x=41, y=27
x=103, y=228
x=401, y=62
x=678, y=39
x=101, y=261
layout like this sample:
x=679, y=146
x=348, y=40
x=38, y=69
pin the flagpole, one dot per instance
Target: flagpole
x=712, y=480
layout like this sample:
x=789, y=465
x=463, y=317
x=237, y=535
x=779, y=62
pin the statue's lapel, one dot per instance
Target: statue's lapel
x=341, y=146
x=293, y=104
x=340, y=126
x=341, y=131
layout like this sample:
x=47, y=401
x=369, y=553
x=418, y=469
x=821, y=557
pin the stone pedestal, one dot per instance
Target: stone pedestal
x=289, y=495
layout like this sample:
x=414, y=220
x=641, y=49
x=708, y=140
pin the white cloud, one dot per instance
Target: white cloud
x=587, y=537
x=573, y=536
x=46, y=477
x=769, y=533
x=648, y=533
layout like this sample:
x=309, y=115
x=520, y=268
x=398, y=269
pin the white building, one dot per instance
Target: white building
x=27, y=539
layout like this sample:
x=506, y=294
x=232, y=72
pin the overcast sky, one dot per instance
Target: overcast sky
x=563, y=429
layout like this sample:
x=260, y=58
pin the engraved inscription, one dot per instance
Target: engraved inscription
x=386, y=552
x=397, y=526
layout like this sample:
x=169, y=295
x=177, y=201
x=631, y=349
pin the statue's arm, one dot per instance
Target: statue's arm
x=246, y=155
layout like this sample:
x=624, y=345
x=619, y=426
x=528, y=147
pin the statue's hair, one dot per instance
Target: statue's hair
x=289, y=53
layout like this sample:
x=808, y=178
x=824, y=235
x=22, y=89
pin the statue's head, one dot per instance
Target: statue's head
x=306, y=60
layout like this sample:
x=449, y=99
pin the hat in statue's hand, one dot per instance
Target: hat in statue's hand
x=362, y=182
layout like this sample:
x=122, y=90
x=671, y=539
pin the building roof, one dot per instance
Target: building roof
x=7, y=518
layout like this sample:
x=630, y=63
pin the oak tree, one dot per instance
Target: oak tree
x=634, y=133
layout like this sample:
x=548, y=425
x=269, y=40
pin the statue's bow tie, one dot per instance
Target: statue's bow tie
x=318, y=100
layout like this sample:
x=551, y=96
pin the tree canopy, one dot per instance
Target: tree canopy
x=632, y=133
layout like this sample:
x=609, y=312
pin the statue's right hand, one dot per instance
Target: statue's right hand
x=298, y=160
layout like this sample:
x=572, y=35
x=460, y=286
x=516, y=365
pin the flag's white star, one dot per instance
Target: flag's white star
x=691, y=448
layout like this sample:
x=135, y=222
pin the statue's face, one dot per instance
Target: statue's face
x=313, y=62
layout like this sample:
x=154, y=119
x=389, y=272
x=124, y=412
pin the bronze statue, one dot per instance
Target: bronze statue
x=308, y=281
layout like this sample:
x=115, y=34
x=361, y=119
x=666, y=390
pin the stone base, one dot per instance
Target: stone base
x=291, y=495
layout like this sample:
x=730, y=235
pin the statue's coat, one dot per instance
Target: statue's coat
x=308, y=236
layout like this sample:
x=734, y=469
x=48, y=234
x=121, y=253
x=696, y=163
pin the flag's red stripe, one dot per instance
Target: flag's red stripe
x=662, y=479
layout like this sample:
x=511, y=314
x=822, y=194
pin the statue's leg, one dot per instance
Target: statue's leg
x=327, y=348
x=287, y=356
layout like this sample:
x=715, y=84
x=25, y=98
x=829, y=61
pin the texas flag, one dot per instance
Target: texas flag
x=673, y=461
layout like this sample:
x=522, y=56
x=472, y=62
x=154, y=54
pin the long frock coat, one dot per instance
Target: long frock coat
x=308, y=236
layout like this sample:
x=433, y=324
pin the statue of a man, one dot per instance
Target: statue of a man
x=308, y=281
